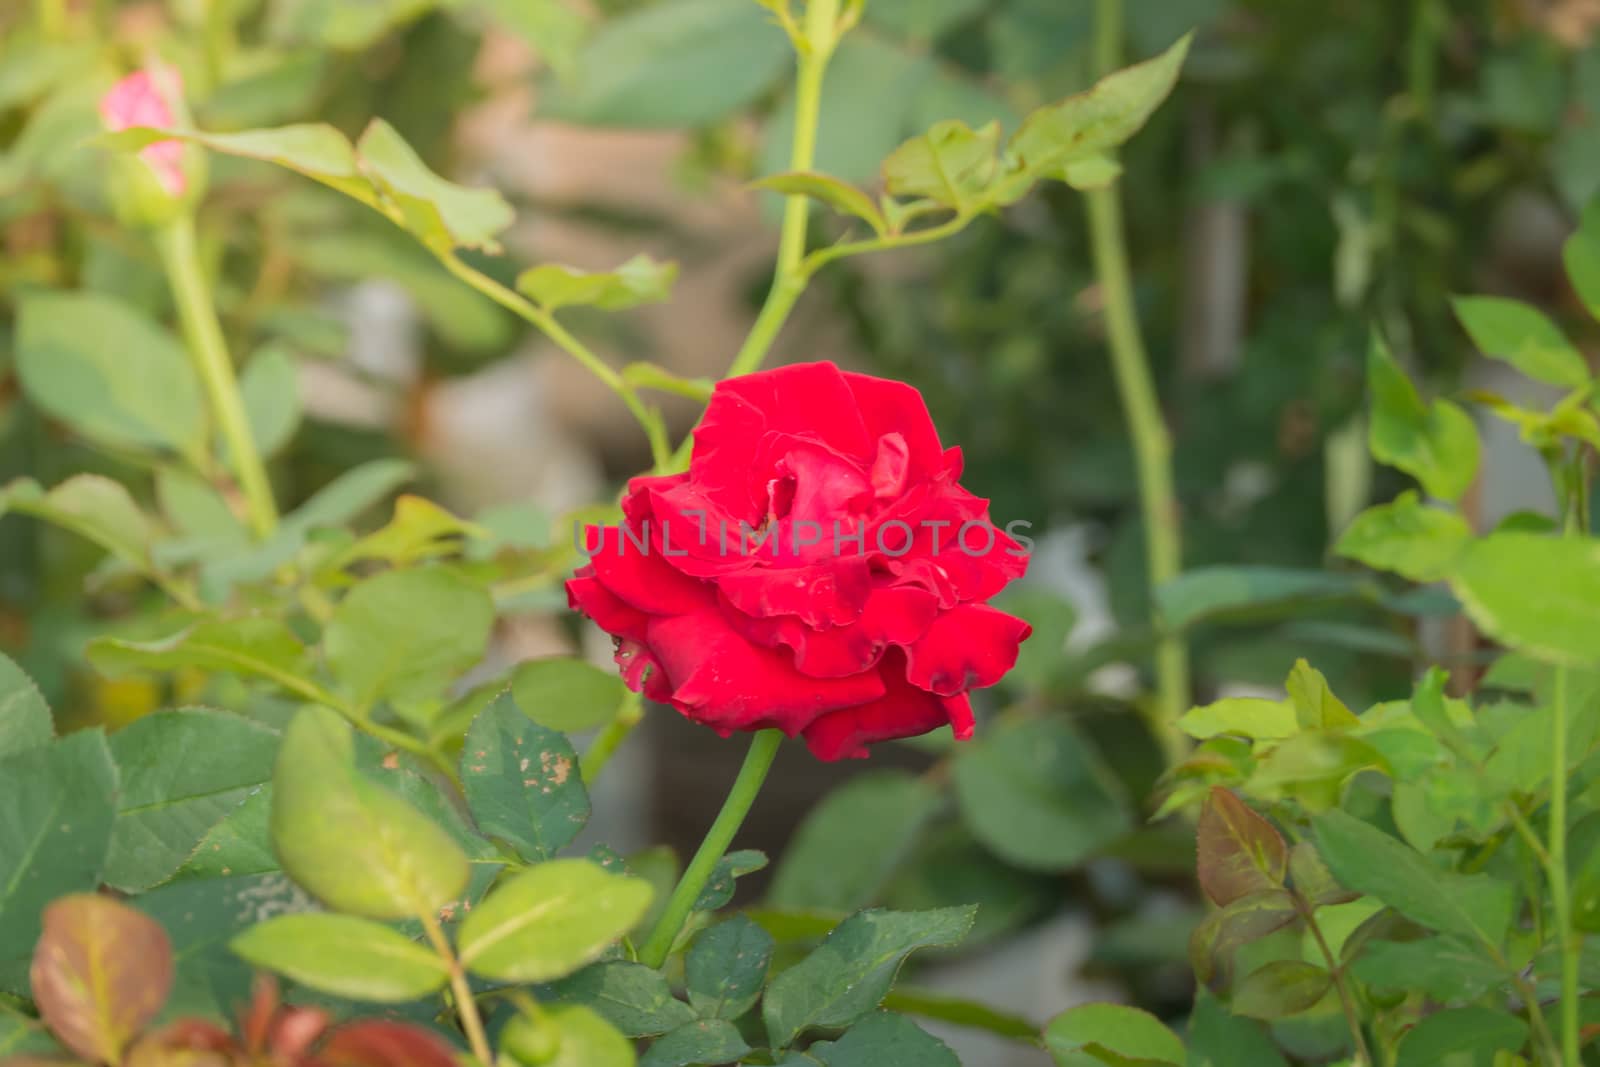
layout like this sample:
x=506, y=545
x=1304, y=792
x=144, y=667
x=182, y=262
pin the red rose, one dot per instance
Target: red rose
x=818, y=569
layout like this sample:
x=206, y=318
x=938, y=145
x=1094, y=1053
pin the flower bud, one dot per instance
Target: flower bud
x=165, y=178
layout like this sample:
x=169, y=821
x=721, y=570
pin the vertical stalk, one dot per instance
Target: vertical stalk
x=466, y=1006
x=1341, y=985
x=1152, y=444
x=757, y=762
x=1560, y=893
x=181, y=259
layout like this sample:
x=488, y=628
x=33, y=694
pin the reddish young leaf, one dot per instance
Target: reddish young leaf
x=100, y=973
x=185, y=1043
x=384, y=1044
x=1239, y=851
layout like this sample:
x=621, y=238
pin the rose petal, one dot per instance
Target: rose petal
x=968, y=647
x=893, y=615
x=612, y=614
x=902, y=711
x=890, y=407
x=722, y=680
x=643, y=576
x=832, y=592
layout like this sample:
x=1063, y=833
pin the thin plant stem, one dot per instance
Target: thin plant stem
x=814, y=42
x=1560, y=890
x=1341, y=985
x=649, y=419
x=1152, y=444
x=757, y=762
x=191, y=292
x=466, y=1007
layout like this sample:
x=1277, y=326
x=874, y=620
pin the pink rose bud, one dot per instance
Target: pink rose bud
x=148, y=98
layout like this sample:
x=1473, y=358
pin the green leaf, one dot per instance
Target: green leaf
x=1534, y=593
x=1474, y=1030
x=1437, y=444
x=345, y=956
x=586, y=1040
x=1280, y=989
x=350, y=494
x=1313, y=768
x=1239, y=851
x=952, y=164
x=641, y=280
x=726, y=967
x=1522, y=336
x=1217, y=940
x=566, y=694
x=419, y=530
x=837, y=194
x=630, y=996
x=550, y=920
x=1406, y=537
x=847, y=976
x=1093, y=1034
x=702, y=1041
x=270, y=390
x=59, y=803
x=850, y=844
x=1217, y=1039
x=1582, y=257
x=1315, y=706
x=1248, y=593
x=95, y=508
x=444, y=215
x=351, y=843
x=885, y=1039
x=101, y=974
x=405, y=636
x=1092, y=123
x=720, y=887
x=25, y=720
x=1369, y=860
x=182, y=773
x=1037, y=793
x=650, y=376
x=522, y=782
x=100, y=366
x=240, y=844
x=671, y=65
x=315, y=150
x=258, y=647
x=1312, y=880
x=1253, y=717
x=1442, y=968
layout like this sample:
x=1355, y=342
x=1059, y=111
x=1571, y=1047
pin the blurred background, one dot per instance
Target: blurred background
x=1321, y=168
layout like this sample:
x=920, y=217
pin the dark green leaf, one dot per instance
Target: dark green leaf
x=884, y=1039
x=1369, y=860
x=850, y=844
x=1280, y=989
x=700, y=1042
x=726, y=967
x=25, y=720
x=1443, y=968
x=182, y=773
x=630, y=996
x=1473, y=1029
x=1037, y=793
x=847, y=975
x=522, y=782
x=720, y=887
x=59, y=803
x=1217, y=1039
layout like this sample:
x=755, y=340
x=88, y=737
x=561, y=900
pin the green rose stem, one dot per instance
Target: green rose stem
x=648, y=418
x=815, y=42
x=466, y=1007
x=1152, y=445
x=658, y=946
x=1569, y=940
x=179, y=256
